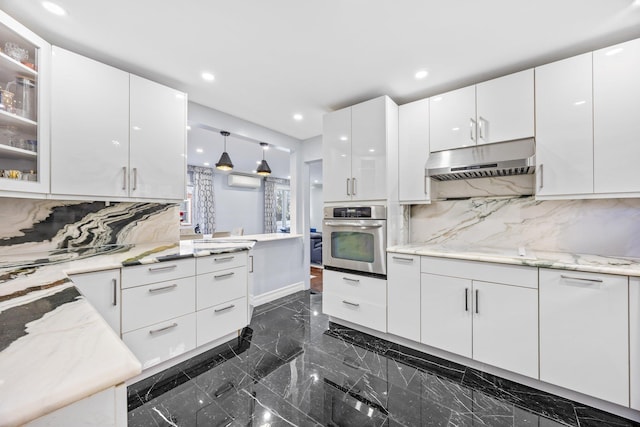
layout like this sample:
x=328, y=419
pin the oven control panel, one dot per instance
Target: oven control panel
x=365, y=212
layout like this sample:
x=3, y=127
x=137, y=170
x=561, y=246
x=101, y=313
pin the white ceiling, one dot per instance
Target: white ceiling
x=274, y=58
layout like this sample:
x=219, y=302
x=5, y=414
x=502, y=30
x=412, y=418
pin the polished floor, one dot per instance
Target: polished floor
x=292, y=367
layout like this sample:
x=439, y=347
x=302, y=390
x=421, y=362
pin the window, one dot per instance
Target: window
x=283, y=213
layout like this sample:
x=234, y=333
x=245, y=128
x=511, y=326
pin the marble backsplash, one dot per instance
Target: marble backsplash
x=602, y=227
x=30, y=225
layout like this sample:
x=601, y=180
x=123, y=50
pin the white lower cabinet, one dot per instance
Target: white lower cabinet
x=584, y=333
x=149, y=304
x=221, y=320
x=634, y=343
x=403, y=296
x=505, y=327
x=358, y=299
x=162, y=341
x=219, y=287
x=102, y=290
x=446, y=313
x=494, y=322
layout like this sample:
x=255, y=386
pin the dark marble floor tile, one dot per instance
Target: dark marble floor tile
x=358, y=338
x=591, y=417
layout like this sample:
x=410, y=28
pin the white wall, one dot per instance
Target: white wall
x=238, y=207
x=315, y=214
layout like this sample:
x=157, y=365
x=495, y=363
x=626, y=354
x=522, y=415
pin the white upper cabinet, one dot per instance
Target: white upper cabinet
x=355, y=151
x=25, y=72
x=89, y=127
x=505, y=108
x=336, y=156
x=124, y=136
x=158, y=120
x=498, y=110
x=564, y=127
x=616, y=94
x=413, y=152
x=453, y=119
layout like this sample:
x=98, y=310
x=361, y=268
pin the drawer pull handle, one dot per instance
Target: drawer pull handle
x=477, y=308
x=351, y=303
x=581, y=279
x=166, y=267
x=224, y=389
x=220, y=276
x=399, y=258
x=225, y=258
x=114, y=282
x=155, y=331
x=351, y=280
x=466, y=299
x=218, y=310
x=164, y=288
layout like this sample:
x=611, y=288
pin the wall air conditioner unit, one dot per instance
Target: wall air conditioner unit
x=243, y=181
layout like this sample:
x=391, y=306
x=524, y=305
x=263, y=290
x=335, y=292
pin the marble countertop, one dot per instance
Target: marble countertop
x=55, y=348
x=545, y=259
x=267, y=237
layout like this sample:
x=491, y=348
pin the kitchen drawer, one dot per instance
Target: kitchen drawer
x=219, y=287
x=219, y=262
x=159, y=272
x=220, y=320
x=516, y=275
x=149, y=304
x=363, y=288
x=162, y=341
x=356, y=310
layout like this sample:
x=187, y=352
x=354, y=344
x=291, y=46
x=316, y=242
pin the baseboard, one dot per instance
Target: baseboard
x=277, y=293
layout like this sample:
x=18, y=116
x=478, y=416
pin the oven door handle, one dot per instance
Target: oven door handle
x=351, y=224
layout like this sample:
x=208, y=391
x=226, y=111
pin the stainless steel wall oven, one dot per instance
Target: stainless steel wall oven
x=355, y=239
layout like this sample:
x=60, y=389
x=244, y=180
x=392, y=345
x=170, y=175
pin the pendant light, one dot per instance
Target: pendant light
x=224, y=163
x=264, y=169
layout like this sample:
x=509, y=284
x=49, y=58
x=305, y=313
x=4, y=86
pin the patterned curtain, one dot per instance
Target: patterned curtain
x=204, y=212
x=270, y=202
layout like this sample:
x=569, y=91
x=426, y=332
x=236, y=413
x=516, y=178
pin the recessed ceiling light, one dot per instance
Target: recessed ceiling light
x=455, y=129
x=579, y=102
x=188, y=127
x=422, y=74
x=343, y=138
x=371, y=150
x=288, y=176
x=297, y=117
x=54, y=8
x=206, y=163
x=199, y=150
x=258, y=162
x=208, y=77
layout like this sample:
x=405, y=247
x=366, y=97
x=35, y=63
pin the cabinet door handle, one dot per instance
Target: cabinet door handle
x=582, y=279
x=466, y=299
x=163, y=288
x=399, y=258
x=353, y=187
x=477, y=309
x=251, y=259
x=481, y=127
x=541, y=169
x=155, y=331
x=218, y=310
x=351, y=303
x=426, y=178
x=220, y=276
x=124, y=177
x=348, y=184
x=225, y=258
x=351, y=280
x=166, y=267
x=472, y=128
x=135, y=179
x=114, y=282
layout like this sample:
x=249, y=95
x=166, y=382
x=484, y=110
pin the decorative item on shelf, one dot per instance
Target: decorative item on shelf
x=6, y=101
x=224, y=163
x=15, y=51
x=264, y=169
x=24, y=102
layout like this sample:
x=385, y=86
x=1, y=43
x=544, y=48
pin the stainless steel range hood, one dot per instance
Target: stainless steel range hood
x=481, y=161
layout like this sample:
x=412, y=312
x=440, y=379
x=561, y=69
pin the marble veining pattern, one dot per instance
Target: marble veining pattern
x=292, y=367
x=609, y=227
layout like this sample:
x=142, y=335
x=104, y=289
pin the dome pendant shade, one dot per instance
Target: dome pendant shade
x=224, y=164
x=263, y=169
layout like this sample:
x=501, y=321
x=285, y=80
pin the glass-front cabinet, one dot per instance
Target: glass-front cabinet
x=25, y=62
